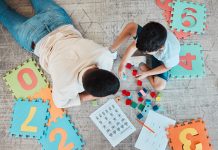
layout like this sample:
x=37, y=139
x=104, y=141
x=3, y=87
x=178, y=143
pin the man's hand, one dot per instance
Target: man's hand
x=121, y=71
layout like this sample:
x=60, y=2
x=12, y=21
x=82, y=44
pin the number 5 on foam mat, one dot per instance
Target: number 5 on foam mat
x=29, y=118
x=62, y=135
x=191, y=62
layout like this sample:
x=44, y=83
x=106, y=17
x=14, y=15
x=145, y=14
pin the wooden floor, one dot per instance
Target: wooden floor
x=101, y=21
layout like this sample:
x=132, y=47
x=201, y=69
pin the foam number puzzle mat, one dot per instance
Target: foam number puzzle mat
x=191, y=62
x=29, y=118
x=188, y=17
x=189, y=136
x=46, y=94
x=62, y=135
x=26, y=79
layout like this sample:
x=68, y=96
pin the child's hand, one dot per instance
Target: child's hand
x=142, y=76
x=121, y=71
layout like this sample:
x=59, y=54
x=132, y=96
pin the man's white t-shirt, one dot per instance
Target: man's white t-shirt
x=66, y=55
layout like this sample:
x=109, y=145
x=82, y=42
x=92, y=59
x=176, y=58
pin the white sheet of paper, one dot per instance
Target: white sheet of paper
x=158, y=140
x=112, y=122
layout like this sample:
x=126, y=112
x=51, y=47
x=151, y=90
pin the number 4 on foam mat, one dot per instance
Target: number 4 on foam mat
x=62, y=135
x=29, y=118
x=191, y=62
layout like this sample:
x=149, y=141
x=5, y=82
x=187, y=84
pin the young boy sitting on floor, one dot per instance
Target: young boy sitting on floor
x=160, y=46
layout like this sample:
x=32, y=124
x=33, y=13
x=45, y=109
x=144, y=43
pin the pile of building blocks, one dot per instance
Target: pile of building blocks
x=40, y=118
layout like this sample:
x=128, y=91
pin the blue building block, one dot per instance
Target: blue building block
x=155, y=108
x=139, y=116
x=59, y=130
x=147, y=102
x=130, y=97
x=29, y=118
x=139, y=94
x=146, y=110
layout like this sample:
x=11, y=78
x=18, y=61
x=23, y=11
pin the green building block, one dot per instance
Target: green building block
x=134, y=104
x=193, y=70
x=141, y=107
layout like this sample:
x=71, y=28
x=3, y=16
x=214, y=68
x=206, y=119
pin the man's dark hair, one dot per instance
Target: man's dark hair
x=152, y=37
x=101, y=83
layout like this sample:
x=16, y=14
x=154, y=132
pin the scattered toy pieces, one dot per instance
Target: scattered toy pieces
x=128, y=101
x=134, y=72
x=139, y=82
x=153, y=94
x=142, y=92
x=126, y=93
x=139, y=116
x=141, y=107
x=134, y=104
x=140, y=99
x=94, y=103
x=128, y=66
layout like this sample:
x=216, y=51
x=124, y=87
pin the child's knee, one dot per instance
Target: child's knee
x=159, y=85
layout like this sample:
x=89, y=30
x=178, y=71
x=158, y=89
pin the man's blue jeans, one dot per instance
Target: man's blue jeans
x=28, y=31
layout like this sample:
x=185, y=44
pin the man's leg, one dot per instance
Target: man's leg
x=44, y=5
x=156, y=82
x=10, y=19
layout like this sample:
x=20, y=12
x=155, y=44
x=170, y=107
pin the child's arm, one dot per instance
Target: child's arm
x=129, y=52
x=129, y=31
x=84, y=96
x=158, y=70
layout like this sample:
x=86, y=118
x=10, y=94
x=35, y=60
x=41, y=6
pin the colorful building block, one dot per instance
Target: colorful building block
x=94, y=103
x=62, y=130
x=134, y=72
x=191, y=62
x=191, y=135
x=153, y=94
x=26, y=79
x=142, y=92
x=139, y=116
x=188, y=13
x=128, y=101
x=125, y=93
x=155, y=108
x=147, y=102
x=158, y=98
x=124, y=77
x=139, y=82
x=146, y=110
x=29, y=118
x=128, y=66
x=134, y=104
x=140, y=99
x=141, y=107
x=130, y=97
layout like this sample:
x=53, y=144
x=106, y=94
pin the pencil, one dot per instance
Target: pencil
x=140, y=122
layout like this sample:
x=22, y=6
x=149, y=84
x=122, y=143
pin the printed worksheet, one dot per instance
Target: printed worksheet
x=156, y=140
x=112, y=122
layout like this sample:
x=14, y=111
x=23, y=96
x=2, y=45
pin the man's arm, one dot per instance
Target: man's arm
x=84, y=96
x=129, y=31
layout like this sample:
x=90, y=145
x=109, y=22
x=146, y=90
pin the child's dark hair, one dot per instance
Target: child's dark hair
x=152, y=37
x=101, y=83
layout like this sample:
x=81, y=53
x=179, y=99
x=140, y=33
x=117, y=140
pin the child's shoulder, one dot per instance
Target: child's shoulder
x=172, y=41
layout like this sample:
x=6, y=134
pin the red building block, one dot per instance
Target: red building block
x=140, y=99
x=128, y=101
x=153, y=94
x=134, y=72
x=125, y=93
x=128, y=66
x=139, y=82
